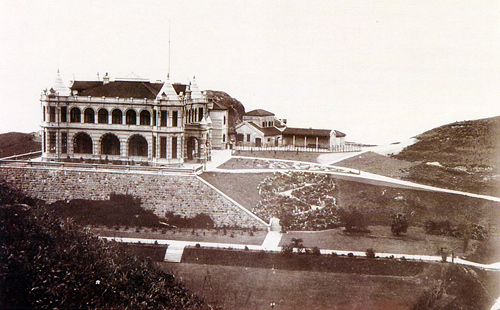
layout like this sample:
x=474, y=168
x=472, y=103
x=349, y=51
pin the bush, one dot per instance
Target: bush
x=350, y=254
x=399, y=224
x=316, y=251
x=354, y=221
x=370, y=253
x=287, y=250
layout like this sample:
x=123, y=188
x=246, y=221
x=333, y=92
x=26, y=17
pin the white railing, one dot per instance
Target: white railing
x=291, y=148
x=26, y=163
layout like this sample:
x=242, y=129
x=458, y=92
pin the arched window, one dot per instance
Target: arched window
x=82, y=143
x=137, y=146
x=131, y=117
x=110, y=145
x=116, y=116
x=145, y=118
x=102, y=116
x=88, y=116
x=75, y=115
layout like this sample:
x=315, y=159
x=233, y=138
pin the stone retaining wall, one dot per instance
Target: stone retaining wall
x=182, y=194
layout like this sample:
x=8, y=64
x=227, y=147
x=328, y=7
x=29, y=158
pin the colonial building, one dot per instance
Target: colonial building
x=128, y=119
x=262, y=128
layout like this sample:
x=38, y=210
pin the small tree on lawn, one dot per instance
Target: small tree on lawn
x=354, y=221
x=399, y=224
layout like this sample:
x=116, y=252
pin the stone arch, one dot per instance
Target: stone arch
x=89, y=115
x=145, y=118
x=82, y=143
x=75, y=115
x=110, y=144
x=116, y=116
x=102, y=116
x=137, y=146
x=131, y=117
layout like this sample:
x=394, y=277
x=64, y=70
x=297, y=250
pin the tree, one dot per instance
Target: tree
x=399, y=224
x=354, y=221
x=297, y=243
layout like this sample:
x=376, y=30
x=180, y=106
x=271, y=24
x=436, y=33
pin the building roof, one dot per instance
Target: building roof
x=267, y=131
x=124, y=89
x=84, y=85
x=307, y=132
x=258, y=112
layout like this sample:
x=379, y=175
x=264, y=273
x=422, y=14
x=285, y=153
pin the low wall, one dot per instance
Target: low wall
x=182, y=194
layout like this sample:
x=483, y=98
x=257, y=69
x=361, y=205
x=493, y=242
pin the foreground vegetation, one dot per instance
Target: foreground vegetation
x=46, y=262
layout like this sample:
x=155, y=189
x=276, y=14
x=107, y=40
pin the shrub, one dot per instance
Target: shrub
x=399, y=224
x=370, y=253
x=354, y=221
x=350, y=254
x=287, y=250
x=316, y=251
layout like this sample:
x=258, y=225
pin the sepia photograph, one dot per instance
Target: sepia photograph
x=295, y=155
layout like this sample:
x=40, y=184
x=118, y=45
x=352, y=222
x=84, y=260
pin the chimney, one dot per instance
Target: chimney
x=105, y=79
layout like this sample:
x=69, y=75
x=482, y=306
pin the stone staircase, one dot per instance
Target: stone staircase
x=174, y=254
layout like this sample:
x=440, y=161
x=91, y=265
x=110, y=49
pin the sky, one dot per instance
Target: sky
x=379, y=71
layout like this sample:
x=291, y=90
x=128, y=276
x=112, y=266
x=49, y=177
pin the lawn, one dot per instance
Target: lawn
x=256, y=288
x=242, y=187
x=186, y=234
x=416, y=241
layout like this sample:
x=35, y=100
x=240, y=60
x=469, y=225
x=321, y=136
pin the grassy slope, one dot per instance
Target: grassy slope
x=240, y=187
x=14, y=143
x=468, y=152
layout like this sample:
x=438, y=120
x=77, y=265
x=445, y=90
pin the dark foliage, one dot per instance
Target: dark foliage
x=49, y=263
x=305, y=262
x=447, y=228
x=354, y=221
x=200, y=220
x=370, y=253
x=399, y=224
x=460, y=288
x=119, y=210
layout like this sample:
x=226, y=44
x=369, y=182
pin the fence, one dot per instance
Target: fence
x=291, y=148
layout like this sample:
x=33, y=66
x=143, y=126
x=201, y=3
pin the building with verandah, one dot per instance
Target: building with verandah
x=127, y=119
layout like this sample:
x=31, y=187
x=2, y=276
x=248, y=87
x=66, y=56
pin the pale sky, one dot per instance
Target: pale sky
x=379, y=71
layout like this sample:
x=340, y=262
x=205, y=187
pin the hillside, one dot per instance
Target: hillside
x=463, y=155
x=235, y=108
x=468, y=145
x=14, y=143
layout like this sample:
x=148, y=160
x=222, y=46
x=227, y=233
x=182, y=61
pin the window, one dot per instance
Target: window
x=43, y=114
x=145, y=118
x=75, y=115
x=52, y=142
x=163, y=118
x=174, y=119
x=263, y=124
x=102, y=116
x=82, y=143
x=89, y=116
x=116, y=116
x=163, y=147
x=110, y=144
x=44, y=141
x=131, y=117
x=248, y=137
x=224, y=120
x=174, y=147
x=52, y=114
x=64, y=114
x=64, y=142
x=223, y=137
x=200, y=114
x=154, y=118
